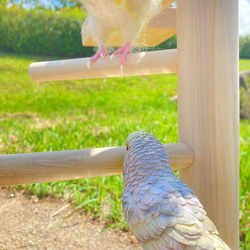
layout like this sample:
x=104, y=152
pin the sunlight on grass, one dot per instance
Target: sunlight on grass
x=244, y=64
x=49, y=116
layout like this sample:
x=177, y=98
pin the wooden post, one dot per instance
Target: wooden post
x=208, y=107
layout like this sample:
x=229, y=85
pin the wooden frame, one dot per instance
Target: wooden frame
x=208, y=113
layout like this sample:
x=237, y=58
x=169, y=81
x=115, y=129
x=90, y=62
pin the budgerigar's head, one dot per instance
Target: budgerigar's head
x=139, y=137
x=144, y=154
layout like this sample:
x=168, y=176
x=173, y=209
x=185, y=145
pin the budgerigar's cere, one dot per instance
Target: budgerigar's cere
x=126, y=16
x=161, y=211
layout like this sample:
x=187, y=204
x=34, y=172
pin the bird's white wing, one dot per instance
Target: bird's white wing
x=86, y=30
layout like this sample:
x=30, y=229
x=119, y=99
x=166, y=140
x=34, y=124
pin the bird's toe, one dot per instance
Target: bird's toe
x=88, y=64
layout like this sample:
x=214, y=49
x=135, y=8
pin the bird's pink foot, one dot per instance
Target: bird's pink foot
x=101, y=53
x=125, y=50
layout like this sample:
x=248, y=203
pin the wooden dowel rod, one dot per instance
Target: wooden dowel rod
x=144, y=63
x=30, y=168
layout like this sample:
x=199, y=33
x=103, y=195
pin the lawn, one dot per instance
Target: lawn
x=65, y=115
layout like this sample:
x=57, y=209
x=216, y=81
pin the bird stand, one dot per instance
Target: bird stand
x=206, y=61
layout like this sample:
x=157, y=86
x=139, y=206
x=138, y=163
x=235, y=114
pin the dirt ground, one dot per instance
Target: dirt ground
x=29, y=223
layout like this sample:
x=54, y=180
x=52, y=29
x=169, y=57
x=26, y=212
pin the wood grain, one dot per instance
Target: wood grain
x=208, y=107
x=30, y=168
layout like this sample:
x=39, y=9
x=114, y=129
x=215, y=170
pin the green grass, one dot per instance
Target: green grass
x=49, y=116
x=245, y=183
x=244, y=64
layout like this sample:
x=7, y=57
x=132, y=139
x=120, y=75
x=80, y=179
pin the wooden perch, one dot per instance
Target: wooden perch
x=17, y=169
x=144, y=63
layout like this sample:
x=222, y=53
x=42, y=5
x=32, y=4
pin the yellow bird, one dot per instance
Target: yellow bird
x=127, y=16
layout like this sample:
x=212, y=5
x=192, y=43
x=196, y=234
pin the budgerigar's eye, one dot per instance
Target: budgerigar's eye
x=126, y=146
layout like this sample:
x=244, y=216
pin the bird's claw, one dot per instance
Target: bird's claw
x=88, y=64
x=101, y=53
x=121, y=68
x=124, y=51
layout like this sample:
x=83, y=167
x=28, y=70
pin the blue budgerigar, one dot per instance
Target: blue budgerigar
x=161, y=211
